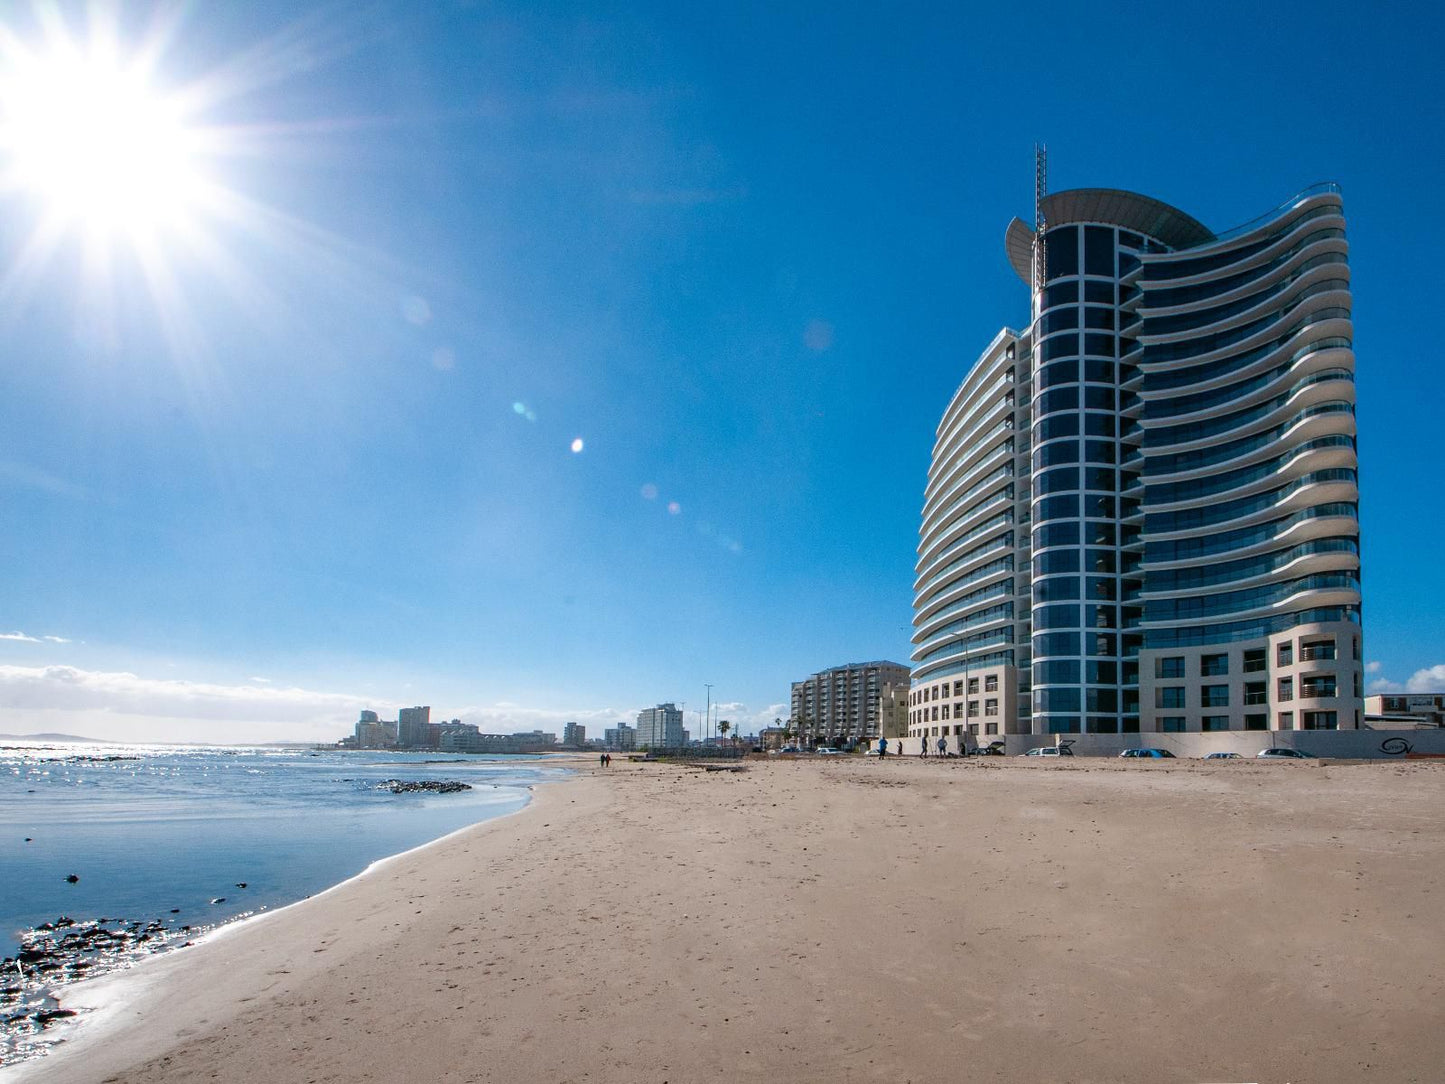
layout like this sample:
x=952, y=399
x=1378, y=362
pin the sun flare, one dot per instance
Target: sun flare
x=100, y=149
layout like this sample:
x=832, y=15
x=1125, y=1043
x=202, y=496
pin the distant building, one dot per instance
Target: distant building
x=457, y=736
x=660, y=728
x=574, y=734
x=773, y=737
x=372, y=733
x=621, y=737
x=1405, y=710
x=413, y=728
x=839, y=706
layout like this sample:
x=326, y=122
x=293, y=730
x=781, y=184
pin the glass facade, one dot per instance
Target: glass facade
x=1182, y=411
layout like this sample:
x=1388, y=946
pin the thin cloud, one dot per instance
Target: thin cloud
x=19, y=636
x=22, y=474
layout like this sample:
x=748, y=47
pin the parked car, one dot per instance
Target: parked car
x=1279, y=752
x=1152, y=754
x=1222, y=756
x=827, y=751
x=1049, y=751
x=992, y=749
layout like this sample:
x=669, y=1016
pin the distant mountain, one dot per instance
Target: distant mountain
x=55, y=737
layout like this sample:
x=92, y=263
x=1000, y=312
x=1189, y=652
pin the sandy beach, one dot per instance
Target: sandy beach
x=841, y=920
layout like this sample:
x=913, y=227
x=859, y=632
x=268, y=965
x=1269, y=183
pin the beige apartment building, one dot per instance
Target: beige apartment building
x=840, y=706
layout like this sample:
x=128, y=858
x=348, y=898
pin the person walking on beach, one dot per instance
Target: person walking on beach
x=943, y=747
x=882, y=747
x=602, y=760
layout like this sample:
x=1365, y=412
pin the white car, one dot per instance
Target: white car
x=1049, y=751
x=1279, y=752
x=1222, y=756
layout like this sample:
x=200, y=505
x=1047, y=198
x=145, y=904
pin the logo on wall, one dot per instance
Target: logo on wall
x=1396, y=747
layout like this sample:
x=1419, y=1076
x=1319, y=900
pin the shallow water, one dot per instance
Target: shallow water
x=184, y=827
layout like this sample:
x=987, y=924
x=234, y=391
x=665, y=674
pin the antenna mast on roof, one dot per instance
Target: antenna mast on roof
x=1041, y=189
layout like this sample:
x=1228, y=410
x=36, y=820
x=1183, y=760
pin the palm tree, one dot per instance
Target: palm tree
x=723, y=728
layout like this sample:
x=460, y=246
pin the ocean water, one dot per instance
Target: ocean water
x=149, y=829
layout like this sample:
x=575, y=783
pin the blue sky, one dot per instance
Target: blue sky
x=743, y=255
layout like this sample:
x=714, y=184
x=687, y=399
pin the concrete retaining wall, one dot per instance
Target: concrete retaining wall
x=1349, y=744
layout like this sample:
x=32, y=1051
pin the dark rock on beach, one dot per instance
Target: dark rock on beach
x=423, y=786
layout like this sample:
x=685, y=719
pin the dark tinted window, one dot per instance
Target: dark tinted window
x=1057, y=561
x=1100, y=293
x=1061, y=293
x=1099, y=451
x=1057, y=643
x=1098, y=343
x=1056, y=534
x=1060, y=672
x=1056, y=589
x=1098, y=251
x=1100, y=318
x=1062, y=346
x=1053, y=481
x=1062, y=253
x=1099, y=398
x=1061, y=451
x=1060, y=425
x=1060, y=372
x=1100, y=372
x=1061, y=319
x=1099, y=425
x=1059, y=399
x=1064, y=506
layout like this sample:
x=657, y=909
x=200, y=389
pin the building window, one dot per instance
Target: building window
x=1256, y=722
x=1316, y=686
x=990, y=706
x=1169, y=696
x=1215, y=722
x=1254, y=660
x=1170, y=667
x=988, y=728
x=973, y=707
x=972, y=686
x=935, y=715
x=1214, y=696
x=1286, y=654
x=1171, y=723
x=945, y=712
x=973, y=728
x=1214, y=665
x=958, y=688
x=1286, y=720
x=1286, y=689
x=990, y=683
x=1320, y=720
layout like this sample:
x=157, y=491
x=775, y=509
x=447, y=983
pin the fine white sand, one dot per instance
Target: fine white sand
x=842, y=920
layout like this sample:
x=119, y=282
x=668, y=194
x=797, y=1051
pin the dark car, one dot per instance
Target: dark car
x=1148, y=754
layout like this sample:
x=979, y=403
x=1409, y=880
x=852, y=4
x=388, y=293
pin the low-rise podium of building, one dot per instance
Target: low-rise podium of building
x=1405, y=710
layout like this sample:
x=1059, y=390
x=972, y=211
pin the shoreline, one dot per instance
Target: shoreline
x=846, y=920
x=81, y=996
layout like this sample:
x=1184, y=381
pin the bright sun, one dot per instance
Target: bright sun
x=86, y=135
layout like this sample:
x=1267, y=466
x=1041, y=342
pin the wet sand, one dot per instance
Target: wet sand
x=841, y=920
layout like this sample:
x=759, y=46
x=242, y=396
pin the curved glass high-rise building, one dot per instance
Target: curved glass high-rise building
x=1164, y=534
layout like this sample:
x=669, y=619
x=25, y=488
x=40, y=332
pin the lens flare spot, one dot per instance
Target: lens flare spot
x=576, y=445
x=522, y=410
x=415, y=310
x=673, y=508
x=649, y=492
x=818, y=336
